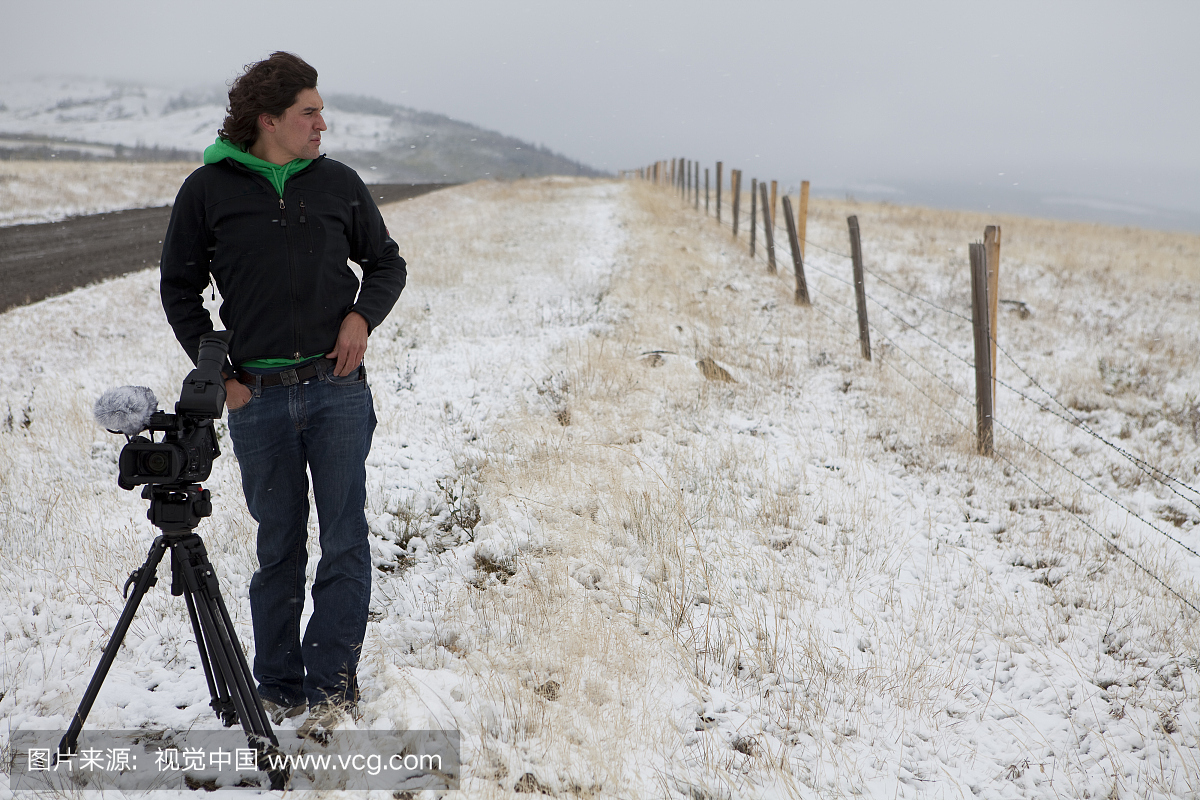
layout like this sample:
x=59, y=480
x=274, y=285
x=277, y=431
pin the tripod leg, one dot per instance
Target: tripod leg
x=230, y=662
x=243, y=665
x=218, y=690
x=146, y=576
x=200, y=582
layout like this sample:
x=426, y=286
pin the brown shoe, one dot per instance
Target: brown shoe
x=322, y=719
x=279, y=713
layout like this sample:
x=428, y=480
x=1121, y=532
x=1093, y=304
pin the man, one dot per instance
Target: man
x=273, y=222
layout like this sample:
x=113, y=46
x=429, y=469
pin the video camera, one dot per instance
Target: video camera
x=189, y=444
x=171, y=469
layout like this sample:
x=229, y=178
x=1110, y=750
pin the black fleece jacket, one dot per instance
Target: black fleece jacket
x=279, y=262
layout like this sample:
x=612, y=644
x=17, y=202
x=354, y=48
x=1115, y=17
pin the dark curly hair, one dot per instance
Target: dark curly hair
x=266, y=87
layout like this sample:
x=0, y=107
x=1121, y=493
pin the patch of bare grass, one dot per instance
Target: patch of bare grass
x=42, y=191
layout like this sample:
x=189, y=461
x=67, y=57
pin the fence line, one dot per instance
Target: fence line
x=1155, y=473
x=988, y=263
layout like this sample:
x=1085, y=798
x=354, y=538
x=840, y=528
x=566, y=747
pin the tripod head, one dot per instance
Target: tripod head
x=177, y=507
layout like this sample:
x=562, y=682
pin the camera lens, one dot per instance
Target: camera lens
x=157, y=463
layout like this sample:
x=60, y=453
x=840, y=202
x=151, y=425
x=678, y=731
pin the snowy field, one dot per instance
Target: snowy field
x=48, y=191
x=619, y=574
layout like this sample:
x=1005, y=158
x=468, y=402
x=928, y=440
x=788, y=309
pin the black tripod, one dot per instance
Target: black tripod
x=176, y=509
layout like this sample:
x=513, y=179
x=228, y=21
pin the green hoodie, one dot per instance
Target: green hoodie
x=277, y=174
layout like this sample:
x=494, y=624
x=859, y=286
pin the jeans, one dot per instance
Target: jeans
x=322, y=426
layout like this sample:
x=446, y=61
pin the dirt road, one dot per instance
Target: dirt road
x=40, y=261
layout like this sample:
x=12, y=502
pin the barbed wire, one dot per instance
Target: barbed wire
x=1097, y=532
x=816, y=268
x=777, y=229
x=884, y=334
x=1040, y=488
x=1156, y=473
x=1087, y=525
x=1094, y=488
x=1050, y=494
x=1146, y=468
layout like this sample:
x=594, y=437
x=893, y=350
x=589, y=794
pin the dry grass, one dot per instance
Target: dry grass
x=650, y=520
x=804, y=599
x=38, y=191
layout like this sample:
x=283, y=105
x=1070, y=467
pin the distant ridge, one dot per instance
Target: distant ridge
x=432, y=147
x=86, y=118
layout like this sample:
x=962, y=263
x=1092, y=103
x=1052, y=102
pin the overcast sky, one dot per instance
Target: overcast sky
x=1093, y=100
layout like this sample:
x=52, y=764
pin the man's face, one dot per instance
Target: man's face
x=297, y=132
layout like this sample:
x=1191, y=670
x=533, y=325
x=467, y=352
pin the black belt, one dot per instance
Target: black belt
x=289, y=377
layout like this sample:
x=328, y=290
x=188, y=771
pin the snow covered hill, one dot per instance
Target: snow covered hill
x=385, y=142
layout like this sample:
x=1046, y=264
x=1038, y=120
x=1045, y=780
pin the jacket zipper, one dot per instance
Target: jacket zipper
x=291, y=275
x=304, y=222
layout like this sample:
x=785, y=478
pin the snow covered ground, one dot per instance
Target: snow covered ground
x=48, y=191
x=619, y=577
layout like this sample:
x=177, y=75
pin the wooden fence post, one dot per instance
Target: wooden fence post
x=770, y=234
x=797, y=254
x=770, y=218
x=802, y=219
x=696, y=184
x=860, y=289
x=991, y=244
x=718, y=191
x=687, y=172
x=983, y=350
x=753, y=209
x=736, y=189
x=706, y=191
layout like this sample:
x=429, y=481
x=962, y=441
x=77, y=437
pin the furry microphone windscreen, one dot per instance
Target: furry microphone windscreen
x=126, y=409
